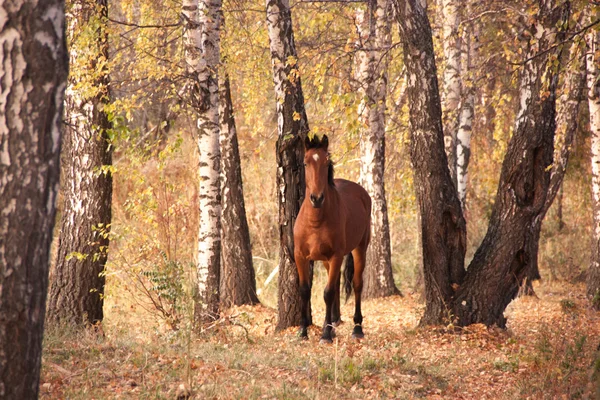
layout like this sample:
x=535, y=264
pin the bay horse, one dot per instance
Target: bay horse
x=334, y=221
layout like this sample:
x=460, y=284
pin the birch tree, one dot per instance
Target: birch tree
x=77, y=287
x=372, y=63
x=592, y=39
x=238, y=284
x=202, y=56
x=451, y=92
x=292, y=128
x=502, y=261
x=443, y=228
x=34, y=74
x=566, y=127
x=466, y=112
x=481, y=294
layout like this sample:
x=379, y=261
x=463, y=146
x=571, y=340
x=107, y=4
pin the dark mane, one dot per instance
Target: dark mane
x=330, y=172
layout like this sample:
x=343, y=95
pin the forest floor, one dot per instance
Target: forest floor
x=549, y=350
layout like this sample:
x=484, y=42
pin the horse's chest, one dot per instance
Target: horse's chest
x=320, y=247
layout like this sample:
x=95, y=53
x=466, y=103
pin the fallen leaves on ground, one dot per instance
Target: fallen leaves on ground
x=546, y=352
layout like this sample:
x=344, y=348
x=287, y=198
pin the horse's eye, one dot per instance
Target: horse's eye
x=305, y=164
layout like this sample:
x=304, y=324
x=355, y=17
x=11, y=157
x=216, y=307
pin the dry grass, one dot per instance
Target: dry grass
x=547, y=352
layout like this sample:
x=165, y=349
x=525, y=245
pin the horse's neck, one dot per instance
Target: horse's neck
x=331, y=205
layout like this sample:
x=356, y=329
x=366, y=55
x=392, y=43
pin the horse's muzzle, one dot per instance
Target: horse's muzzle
x=317, y=202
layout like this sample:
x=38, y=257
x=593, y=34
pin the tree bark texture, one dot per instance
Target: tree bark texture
x=467, y=112
x=201, y=39
x=443, y=228
x=501, y=262
x=592, y=39
x=566, y=127
x=372, y=63
x=77, y=287
x=34, y=74
x=292, y=126
x=238, y=283
x=451, y=93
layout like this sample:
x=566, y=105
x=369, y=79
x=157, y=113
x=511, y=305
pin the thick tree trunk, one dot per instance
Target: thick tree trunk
x=443, y=228
x=238, y=284
x=566, y=127
x=372, y=63
x=501, y=262
x=292, y=126
x=592, y=39
x=451, y=93
x=34, y=74
x=77, y=288
x=202, y=36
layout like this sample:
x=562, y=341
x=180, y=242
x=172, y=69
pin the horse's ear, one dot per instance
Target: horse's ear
x=324, y=142
x=306, y=143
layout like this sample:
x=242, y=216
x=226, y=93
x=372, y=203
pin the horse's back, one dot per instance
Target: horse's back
x=357, y=206
x=353, y=191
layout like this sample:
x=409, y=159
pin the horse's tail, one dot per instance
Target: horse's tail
x=348, y=275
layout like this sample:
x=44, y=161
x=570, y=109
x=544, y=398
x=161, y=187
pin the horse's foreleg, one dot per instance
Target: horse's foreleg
x=335, y=311
x=333, y=277
x=302, y=264
x=359, y=255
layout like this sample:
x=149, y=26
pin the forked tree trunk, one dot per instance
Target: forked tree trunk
x=77, y=288
x=566, y=127
x=372, y=63
x=34, y=75
x=238, y=284
x=443, y=228
x=502, y=261
x=592, y=39
x=451, y=91
x=292, y=127
x=201, y=36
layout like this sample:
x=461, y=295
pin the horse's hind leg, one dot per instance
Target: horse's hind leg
x=360, y=255
x=333, y=277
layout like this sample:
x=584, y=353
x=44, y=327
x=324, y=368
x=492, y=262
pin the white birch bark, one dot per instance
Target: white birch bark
x=34, y=67
x=372, y=63
x=201, y=38
x=77, y=289
x=451, y=91
x=592, y=39
x=467, y=111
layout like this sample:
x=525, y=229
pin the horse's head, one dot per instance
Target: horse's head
x=318, y=169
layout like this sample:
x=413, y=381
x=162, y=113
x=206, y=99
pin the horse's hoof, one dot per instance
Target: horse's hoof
x=358, y=336
x=326, y=341
x=357, y=332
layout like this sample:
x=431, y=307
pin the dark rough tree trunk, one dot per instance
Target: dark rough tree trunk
x=238, y=284
x=292, y=125
x=32, y=84
x=372, y=64
x=502, y=261
x=566, y=127
x=443, y=228
x=593, y=93
x=77, y=287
